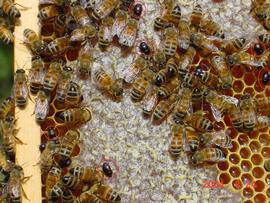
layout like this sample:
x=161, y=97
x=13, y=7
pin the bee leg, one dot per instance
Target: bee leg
x=24, y=194
x=25, y=179
x=17, y=140
x=23, y=7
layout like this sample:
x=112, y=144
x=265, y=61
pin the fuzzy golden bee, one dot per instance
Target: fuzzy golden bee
x=104, y=8
x=141, y=85
x=192, y=138
x=167, y=89
x=9, y=8
x=36, y=74
x=196, y=16
x=36, y=44
x=52, y=76
x=133, y=71
x=21, y=89
x=176, y=145
x=233, y=45
x=207, y=155
x=58, y=46
x=48, y=12
x=105, y=35
x=199, y=122
x=106, y=83
x=75, y=116
x=170, y=41
x=129, y=33
x=219, y=138
x=207, y=77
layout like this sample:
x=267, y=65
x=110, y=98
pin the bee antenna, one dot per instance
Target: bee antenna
x=24, y=7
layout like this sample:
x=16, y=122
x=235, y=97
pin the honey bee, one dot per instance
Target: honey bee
x=75, y=115
x=243, y=58
x=265, y=38
x=202, y=42
x=167, y=89
x=87, y=174
x=198, y=122
x=59, y=25
x=171, y=67
x=184, y=35
x=262, y=122
x=210, y=27
x=219, y=103
x=225, y=76
x=5, y=33
x=48, y=12
x=36, y=74
x=63, y=83
x=72, y=182
x=196, y=16
x=36, y=44
x=134, y=69
x=185, y=60
x=170, y=41
x=219, y=138
x=52, y=178
x=260, y=12
x=267, y=165
x=164, y=75
x=119, y=22
x=264, y=60
x=56, y=192
x=236, y=117
x=8, y=133
x=207, y=155
x=128, y=35
x=68, y=197
x=188, y=79
x=159, y=59
x=161, y=77
x=80, y=15
x=176, y=145
x=58, y=45
x=106, y=83
x=105, y=193
x=149, y=102
x=248, y=112
x=21, y=89
x=73, y=95
x=104, y=8
x=233, y=45
x=197, y=99
x=172, y=15
x=183, y=106
x=85, y=61
x=163, y=108
x=41, y=107
x=7, y=107
x=14, y=186
x=141, y=85
x=105, y=35
x=86, y=197
x=192, y=138
x=9, y=8
x=207, y=77
x=82, y=33
x=262, y=105
x=46, y=158
x=52, y=77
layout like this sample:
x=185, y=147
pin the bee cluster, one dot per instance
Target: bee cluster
x=9, y=17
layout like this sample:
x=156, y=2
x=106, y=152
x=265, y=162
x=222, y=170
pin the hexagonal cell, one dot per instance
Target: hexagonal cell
x=224, y=178
x=264, y=139
x=256, y=159
x=243, y=139
x=238, y=71
x=246, y=179
x=259, y=87
x=238, y=86
x=248, y=192
x=246, y=165
x=266, y=152
x=260, y=198
x=245, y=153
x=235, y=146
x=248, y=201
x=234, y=158
x=235, y=171
x=223, y=165
x=259, y=186
x=249, y=78
x=249, y=90
x=237, y=184
x=254, y=146
x=253, y=134
x=219, y=126
x=257, y=172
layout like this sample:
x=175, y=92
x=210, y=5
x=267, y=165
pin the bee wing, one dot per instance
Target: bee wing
x=186, y=147
x=107, y=34
x=118, y=27
x=230, y=99
x=41, y=109
x=16, y=190
x=24, y=91
x=216, y=113
x=150, y=101
x=130, y=73
x=127, y=37
x=46, y=2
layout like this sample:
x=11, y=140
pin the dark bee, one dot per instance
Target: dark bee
x=144, y=48
x=265, y=78
x=106, y=168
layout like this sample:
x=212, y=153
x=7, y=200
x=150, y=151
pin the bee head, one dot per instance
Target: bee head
x=52, y=133
x=199, y=72
x=64, y=162
x=42, y=147
x=106, y=168
x=20, y=71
